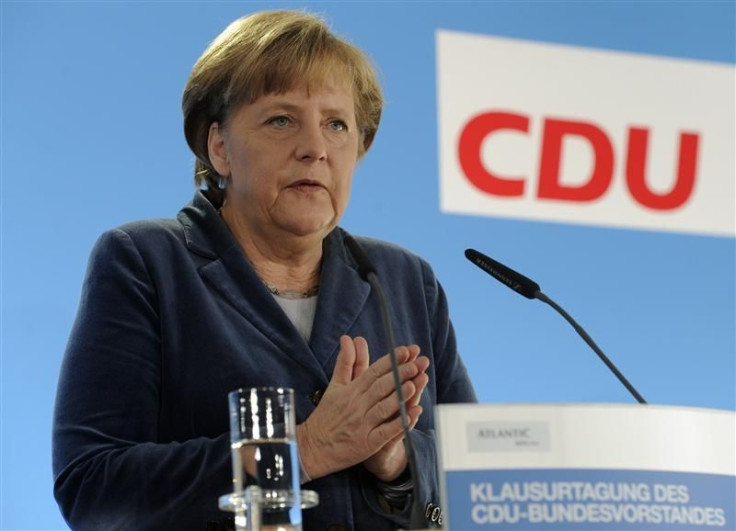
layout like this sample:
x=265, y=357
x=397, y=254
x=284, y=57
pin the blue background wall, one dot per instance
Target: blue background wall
x=92, y=137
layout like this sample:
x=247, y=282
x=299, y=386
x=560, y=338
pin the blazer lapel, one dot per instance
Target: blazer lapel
x=342, y=296
x=232, y=276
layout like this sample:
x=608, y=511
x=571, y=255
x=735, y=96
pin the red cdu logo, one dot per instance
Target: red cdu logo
x=550, y=187
x=564, y=134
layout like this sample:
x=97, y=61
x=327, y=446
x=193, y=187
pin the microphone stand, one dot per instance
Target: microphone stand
x=367, y=271
x=417, y=514
x=582, y=333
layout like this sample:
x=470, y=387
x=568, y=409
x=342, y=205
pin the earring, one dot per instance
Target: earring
x=222, y=183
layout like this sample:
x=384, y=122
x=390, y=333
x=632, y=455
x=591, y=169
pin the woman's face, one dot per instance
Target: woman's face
x=290, y=159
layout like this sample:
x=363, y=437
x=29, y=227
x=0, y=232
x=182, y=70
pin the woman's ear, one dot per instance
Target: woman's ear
x=217, y=150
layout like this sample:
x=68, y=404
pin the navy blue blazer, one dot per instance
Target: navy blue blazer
x=172, y=317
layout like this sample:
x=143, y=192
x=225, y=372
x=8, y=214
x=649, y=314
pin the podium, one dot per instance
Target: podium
x=586, y=467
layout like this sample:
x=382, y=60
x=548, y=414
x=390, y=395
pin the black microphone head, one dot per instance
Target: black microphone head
x=364, y=263
x=516, y=281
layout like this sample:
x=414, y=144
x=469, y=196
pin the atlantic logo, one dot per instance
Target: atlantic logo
x=508, y=433
x=576, y=135
x=507, y=436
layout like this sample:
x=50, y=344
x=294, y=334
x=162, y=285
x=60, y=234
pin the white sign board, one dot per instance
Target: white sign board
x=587, y=467
x=568, y=134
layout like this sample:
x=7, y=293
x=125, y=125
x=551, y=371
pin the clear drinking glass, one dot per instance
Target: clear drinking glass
x=264, y=453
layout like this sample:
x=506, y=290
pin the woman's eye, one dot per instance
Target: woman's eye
x=279, y=121
x=338, y=125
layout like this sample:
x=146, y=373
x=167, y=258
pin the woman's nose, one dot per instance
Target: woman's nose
x=311, y=144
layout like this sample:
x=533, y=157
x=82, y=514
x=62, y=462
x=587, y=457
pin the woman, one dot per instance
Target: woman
x=252, y=285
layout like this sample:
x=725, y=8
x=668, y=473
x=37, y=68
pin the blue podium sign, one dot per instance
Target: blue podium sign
x=587, y=468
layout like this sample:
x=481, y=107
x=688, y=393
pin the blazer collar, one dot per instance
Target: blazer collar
x=205, y=232
x=342, y=294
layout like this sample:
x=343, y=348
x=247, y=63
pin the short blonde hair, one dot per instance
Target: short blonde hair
x=272, y=52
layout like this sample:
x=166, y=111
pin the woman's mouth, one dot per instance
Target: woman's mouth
x=307, y=185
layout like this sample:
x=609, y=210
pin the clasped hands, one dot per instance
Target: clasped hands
x=357, y=419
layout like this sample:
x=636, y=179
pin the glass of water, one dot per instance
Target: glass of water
x=264, y=454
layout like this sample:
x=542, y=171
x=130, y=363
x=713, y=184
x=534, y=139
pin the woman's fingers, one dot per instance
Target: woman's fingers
x=384, y=387
x=414, y=413
x=381, y=393
x=345, y=362
x=414, y=351
x=358, y=414
x=381, y=368
x=388, y=407
x=386, y=431
x=420, y=382
x=393, y=430
x=362, y=357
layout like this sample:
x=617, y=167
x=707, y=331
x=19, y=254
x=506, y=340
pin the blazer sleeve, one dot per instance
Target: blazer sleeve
x=452, y=383
x=110, y=469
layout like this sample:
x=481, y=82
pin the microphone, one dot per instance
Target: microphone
x=505, y=275
x=531, y=290
x=367, y=271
